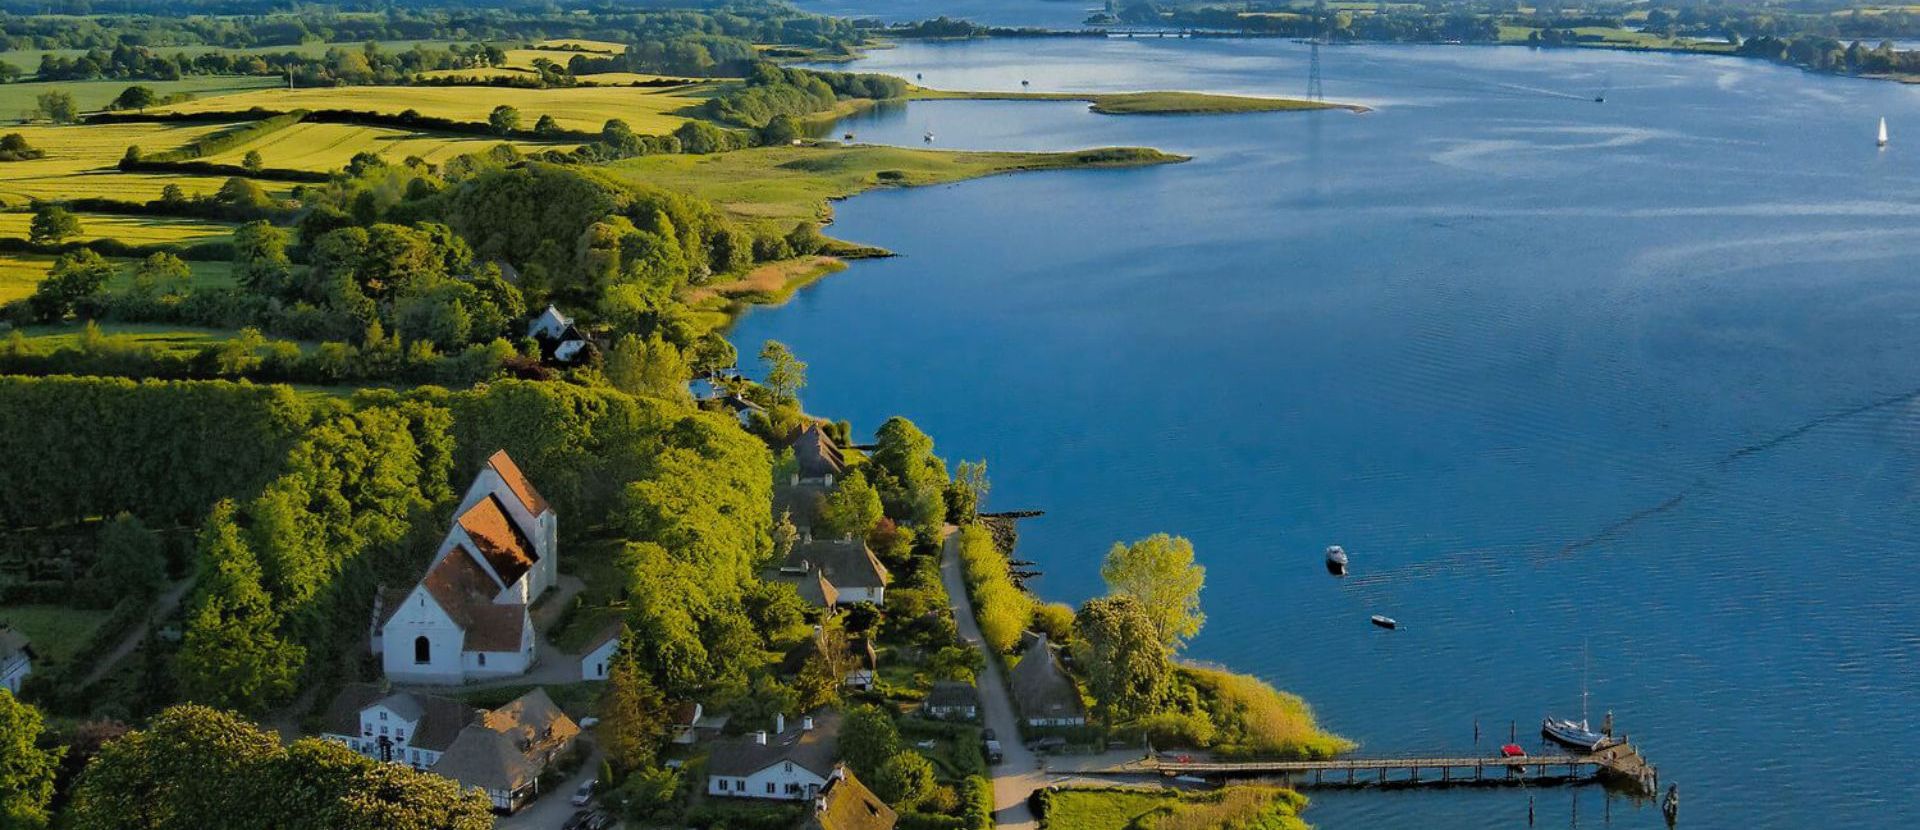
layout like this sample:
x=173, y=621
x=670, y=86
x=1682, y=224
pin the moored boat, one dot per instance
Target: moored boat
x=1573, y=734
x=1336, y=560
x=1385, y=622
x=1883, y=133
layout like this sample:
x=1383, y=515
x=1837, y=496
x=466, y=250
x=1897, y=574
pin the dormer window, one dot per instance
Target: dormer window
x=383, y=714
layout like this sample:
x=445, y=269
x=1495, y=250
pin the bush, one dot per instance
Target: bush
x=1253, y=718
x=1003, y=609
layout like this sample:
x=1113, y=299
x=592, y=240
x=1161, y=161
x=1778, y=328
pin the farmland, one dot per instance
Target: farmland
x=19, y=273
x=17, y=100
x=655, y=111
x=133, y=230
x=325, y=147
x=81, y=161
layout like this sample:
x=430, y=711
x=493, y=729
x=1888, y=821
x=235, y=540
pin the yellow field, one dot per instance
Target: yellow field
x=646, y=110
x=133, y=230
x=326, y=147
x=81, y=161
x=19, y=273
x=597, y=79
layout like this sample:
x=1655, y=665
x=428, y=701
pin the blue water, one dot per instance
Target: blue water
x=1624, y=376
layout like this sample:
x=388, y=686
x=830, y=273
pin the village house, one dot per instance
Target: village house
x=560, y=341
x=786, y=764
x=952, y=700
x=502, y=752
x=598, y=659
x=690, y=723
x=468, y=617
x=1042, y=690
x=16, y=659
x=816, y=457
x=832, y=572
x=847, y=804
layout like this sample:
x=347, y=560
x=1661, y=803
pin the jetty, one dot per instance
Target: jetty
x=1620, y=764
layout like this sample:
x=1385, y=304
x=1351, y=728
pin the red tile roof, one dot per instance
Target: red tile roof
x=466, y=593
x=498, y=539
x=517, y=482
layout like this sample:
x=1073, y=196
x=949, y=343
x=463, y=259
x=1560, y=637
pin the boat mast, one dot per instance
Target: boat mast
x=1583, y=684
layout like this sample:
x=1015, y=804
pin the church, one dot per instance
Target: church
x=468, y=619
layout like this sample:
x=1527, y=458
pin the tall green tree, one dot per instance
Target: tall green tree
x=52, y=224
x=1128, y=668
x=260, y=260
x=57, y=106
x=26, y=770
x=905, y=780
x=135, y=98
x=1159, y=571
x=131, y=559
x=633, y=714
x=232, y=654
x=504, y=119
x=786, y=374
x=648, y=367
x=852, y=508
x=868, y=739
x=75, y=277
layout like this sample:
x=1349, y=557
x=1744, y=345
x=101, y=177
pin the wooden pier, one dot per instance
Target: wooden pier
x=1620, y=764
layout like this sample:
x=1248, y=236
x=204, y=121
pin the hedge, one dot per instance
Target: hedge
x=207, y=168
x=228, y=139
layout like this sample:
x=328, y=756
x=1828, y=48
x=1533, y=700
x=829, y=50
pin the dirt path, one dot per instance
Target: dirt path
x=163, y=606
x=1020, y=772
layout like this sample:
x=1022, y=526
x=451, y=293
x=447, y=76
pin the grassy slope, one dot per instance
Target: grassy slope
x=779, y=186
x=1164, y=809
x=1145, y=103
x=647, y=110
x=327, y=147
x=20, y=273
x=134, y=230
x=17, y=99
x=81, y=161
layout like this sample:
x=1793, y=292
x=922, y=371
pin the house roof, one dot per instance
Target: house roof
x=550, y=323
x=1041, y=687
x=800, y=501
x=608, y=634
x=810, y=749
x=437, y=720
x=13, y=642
x=390, y=601
x=816, y=453
x=509, y=746
x=498, y=538
x=814, y=589
x=466, y=593
x=952, y=694
x=847, y=563
x=518, y=482
x=847, y=804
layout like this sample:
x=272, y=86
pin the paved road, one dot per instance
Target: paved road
x=552, y=808
x=1020, y=772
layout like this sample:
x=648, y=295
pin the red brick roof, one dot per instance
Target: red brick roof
x=517, y=482
x=498, y=539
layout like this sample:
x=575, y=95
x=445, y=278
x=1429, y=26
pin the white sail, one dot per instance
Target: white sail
x=1883, y=132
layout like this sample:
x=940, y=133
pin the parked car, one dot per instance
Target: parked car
x=579, y=820
x=584, y=795
x=990, y=746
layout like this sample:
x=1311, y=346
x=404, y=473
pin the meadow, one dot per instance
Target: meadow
x=648, y=110
x=326, y=147
x=57, y=632
x=20, y=273
x=133, y=230
x=17, y=100
x=81, y=161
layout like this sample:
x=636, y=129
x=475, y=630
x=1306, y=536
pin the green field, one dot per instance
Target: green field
x=56, y=633
x=17, y=100
x=1145, y=103
x=29, y=59
x=778, y=186
x=20, y=273
x=133, y=230
x=164, y=337
x=326, y=147
x=1116, y=808
x=81, y=161
x=648, y=110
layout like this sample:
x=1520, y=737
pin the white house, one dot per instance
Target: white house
x=785, y=765
x=16, y=659
x=502, y=752
x=598, y=660
x=468, y=617
x=558, y=338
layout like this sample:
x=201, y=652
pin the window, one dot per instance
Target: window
x=399, y=734
x=383, y=731
x=483, y=659
x=415, y=754
x=793, y=789
x=383, y=714
x=366, y=730
x=599, y=670
x=769, y=788
x=740, y=784
x=422, y=651
x=723, y=785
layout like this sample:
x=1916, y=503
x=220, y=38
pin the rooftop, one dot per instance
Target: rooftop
x=811, y=749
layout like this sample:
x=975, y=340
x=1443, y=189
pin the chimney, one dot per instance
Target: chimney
x=794, y=480
x=779, y=723
x=806, y=724
x=829, y=479
x=760, y=737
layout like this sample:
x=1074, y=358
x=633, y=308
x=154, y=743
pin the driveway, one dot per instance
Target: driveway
x=1020, y=772
x=552, y=808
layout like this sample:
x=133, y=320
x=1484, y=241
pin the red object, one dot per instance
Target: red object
x=1513, y=751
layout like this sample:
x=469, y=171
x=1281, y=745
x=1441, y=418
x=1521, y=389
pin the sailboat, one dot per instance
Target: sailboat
x=1883, y=133
x=1575, y=735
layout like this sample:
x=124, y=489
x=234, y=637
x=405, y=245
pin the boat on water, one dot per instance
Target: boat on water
x=1385, y=622
x=1577, y=734
x=928, y=137
x=1883, y=133
x=1336, y=560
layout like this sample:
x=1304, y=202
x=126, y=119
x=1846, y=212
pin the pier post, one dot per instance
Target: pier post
x=1476, y=731
x=1513, y=731
x=1349, y=775
x=1383, y=775
x=1319, y=775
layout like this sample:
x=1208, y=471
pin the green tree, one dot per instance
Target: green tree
x=868, y=739
x=633, y=714
x=852, y=508
x=51, y=224
x=967, y=492
x=232, y=654
x=56, y=106
x=131, y=559
x=1128, y=668
x=906, y=453
x=252, y=161
x=546, y=126
x=260, y=261
x=648, y=367
x=504, y=119
x=26, y=770
x=786, y=374
x=135, y=98
x=805, y=239
x=1159, y=572
x=75, y=277
x=162, y=273
x=905, y=780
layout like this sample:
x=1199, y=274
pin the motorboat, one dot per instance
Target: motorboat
x=1336, y=560
x=1385, y=622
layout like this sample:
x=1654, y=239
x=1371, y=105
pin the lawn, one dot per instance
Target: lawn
x=20, y=273
x=1116, y=808
x=779, y=186
x=56, y=632
x=81, y=161
x=17, y=100
x=648, y=110
x=1103, y=809
x=133, y=230
x=327, y=147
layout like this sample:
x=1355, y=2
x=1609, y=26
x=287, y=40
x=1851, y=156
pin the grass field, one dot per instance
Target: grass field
x=81, y=161
x=1114, y=808
x=17, y=100
x=29, y=59
x=57, y=633
x=20, y=273
x=1145, y=103
x=133, y=230
x=166, y=338
x=778, y=186
x=327, y=147
x=648, y=111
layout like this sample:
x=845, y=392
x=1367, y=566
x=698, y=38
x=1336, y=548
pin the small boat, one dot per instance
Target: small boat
x=928, y=137
x=1023, y=83
x=1336, y=560
x=1385, y=622
x=847, y=137
x=1883, y=133
x=1574, y=735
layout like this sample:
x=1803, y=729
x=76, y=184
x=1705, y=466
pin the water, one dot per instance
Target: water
x=1556, y=373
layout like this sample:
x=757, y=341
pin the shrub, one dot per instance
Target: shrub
x=1003, y=609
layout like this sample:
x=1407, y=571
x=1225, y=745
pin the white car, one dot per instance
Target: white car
x=584, y=794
